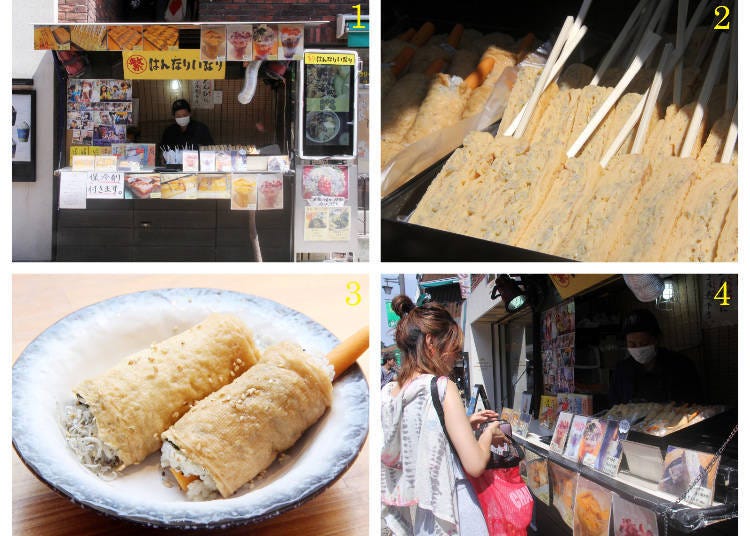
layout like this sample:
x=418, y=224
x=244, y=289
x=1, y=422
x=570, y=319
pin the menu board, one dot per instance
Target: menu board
x=328, y=114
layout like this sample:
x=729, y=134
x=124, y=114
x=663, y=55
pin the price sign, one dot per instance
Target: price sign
x=108, y=185
x=611, y=465
x=700, y=496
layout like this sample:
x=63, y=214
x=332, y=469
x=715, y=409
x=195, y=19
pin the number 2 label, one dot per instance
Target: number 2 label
x=717, y=12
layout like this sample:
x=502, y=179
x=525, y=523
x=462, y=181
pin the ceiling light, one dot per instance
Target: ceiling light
x=512, y=296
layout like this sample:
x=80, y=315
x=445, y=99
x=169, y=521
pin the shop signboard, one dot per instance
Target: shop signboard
x=328, y=114
x=170, y=65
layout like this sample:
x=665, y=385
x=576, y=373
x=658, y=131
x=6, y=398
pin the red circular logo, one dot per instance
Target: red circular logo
x=136, y=64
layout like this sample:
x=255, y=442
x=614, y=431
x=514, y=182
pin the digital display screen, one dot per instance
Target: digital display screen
x=328, y=112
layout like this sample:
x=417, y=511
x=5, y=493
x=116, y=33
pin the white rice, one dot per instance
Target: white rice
x=204, y=488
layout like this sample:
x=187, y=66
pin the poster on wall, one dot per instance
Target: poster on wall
x=325, y=185
x=558, y=348
x=23, y=134
x=327, y=223
x=98, y=111
x=240, y=43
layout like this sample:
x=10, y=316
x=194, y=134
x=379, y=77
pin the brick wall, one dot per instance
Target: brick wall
x=283, y=10
x=88, y=11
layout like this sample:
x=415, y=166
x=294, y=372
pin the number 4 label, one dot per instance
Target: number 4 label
x=723, y=295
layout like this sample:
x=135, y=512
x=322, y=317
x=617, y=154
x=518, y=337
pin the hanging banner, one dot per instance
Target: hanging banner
x=170, y=65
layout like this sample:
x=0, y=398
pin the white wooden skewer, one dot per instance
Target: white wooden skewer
x=714, y=70
x=567, y=51
x=524, y=115
x=653, y=95
x=577, y=23
x=731, y=140
x=656, y=16
x=555, y=71
x=618, y=44
x=649, y=43
x=624, y=131
x=679, y=40
x=731, y=101
x=663, y=21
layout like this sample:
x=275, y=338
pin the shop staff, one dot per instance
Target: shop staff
x=185, y=133
x=651, y=373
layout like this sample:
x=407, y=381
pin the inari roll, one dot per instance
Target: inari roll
x=120, y=415
x=232, y=435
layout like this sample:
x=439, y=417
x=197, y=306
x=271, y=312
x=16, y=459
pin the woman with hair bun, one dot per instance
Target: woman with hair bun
x=424, y=489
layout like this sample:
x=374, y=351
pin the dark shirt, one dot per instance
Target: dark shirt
x=194, y=135
x=674, y=378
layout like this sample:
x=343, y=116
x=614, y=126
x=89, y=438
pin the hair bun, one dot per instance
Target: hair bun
x=402, y=305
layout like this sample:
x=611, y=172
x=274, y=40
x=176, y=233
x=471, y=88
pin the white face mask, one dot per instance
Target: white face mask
x=182, y=121
x=643, y=354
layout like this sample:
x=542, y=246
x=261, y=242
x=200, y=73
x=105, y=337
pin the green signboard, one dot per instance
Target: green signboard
x=393, y=318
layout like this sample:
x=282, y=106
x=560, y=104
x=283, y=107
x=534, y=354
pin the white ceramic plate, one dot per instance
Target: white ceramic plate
x=92, y=339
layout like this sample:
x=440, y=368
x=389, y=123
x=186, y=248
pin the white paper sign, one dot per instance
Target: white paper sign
x=108, y=185
x=73, y=189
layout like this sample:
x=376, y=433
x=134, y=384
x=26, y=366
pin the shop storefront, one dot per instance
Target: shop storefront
x=548, y=353
x=271, y=165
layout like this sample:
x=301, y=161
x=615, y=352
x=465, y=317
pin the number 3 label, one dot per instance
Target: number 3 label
x=355, y=298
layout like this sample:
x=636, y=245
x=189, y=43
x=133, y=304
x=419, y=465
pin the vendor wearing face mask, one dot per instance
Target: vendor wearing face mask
x=651, y=373
x=185, y=132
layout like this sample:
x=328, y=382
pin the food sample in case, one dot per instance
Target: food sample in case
x=632, y=520
x=575, y=436
x=244, y=192
x=564, y=483
x=682, y=467
x=533, y=470
x=561, y=432
x=124, y=410
x=660, y=419
x=591, y=441
x=593, y=505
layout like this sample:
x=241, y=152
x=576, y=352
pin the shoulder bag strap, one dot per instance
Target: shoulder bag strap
x=439, y=410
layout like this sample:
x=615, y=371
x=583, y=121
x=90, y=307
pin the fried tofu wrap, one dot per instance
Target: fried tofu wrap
x=120, y=415
x=234, y=434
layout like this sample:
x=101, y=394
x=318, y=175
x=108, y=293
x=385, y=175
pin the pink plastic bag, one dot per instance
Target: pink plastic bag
x=505, y=500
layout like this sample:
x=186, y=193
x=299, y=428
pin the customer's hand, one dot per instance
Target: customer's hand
x=482, y=416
